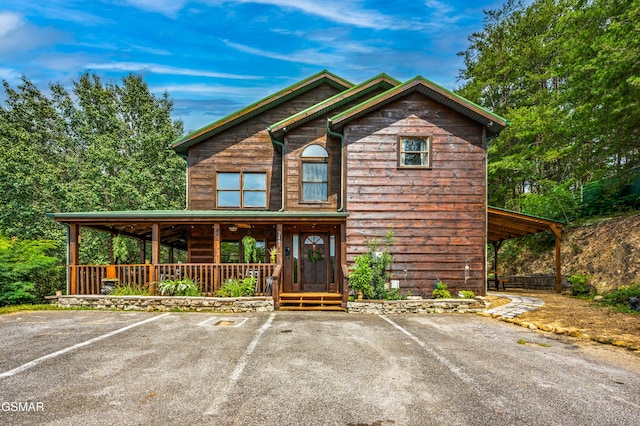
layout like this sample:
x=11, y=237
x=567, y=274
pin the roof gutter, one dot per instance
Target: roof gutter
x=282, y=178
x=186, y=158
x=342, y=161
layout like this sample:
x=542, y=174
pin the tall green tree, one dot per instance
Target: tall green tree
x=102, y=146
x=565, y=72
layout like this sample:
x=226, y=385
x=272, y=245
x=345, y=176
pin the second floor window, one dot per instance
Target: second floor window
x=241, y=190
x=315, y=181
x=415, y=152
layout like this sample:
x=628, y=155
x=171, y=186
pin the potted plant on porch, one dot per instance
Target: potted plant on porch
x=250, y=247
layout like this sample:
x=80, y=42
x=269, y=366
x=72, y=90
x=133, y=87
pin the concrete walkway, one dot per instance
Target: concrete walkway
x=518, y=305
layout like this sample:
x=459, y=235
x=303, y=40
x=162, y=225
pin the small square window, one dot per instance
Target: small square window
x=414, y=151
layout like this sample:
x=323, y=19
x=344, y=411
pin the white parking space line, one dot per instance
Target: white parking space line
x=37, y=361
x=444, y=361
x=237, y=372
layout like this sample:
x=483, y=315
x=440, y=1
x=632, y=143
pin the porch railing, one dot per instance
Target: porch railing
x=88, y=279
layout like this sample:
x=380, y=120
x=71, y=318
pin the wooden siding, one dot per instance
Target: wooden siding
x=201, y=245
x=246, y=147
x=438, y=215
x=314, y=132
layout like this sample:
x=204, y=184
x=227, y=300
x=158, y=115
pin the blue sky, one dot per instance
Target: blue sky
x=214, y=56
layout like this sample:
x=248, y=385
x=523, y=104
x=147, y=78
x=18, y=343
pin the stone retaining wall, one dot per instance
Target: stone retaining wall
x=429, y=306
x=167, y=303
x=264, y=304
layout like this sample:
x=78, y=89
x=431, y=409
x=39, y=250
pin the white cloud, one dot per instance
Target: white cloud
x=442, y=13
x=165, y=7
x=18, y=36
x=307, y=56
x=9, y=22
x=342, y=12
x=9, y=74
x=164, y=69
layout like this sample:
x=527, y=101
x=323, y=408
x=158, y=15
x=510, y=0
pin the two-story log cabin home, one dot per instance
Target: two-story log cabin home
x=322, y=166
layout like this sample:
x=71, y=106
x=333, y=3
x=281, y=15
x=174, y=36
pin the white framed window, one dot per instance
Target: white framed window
x=414, y=151
x=315, y=174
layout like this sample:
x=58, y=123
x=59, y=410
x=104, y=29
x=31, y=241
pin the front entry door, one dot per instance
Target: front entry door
x=315, y=250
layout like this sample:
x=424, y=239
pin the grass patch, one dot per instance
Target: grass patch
x=525, y=342
x=22, y=308
x=39, y=307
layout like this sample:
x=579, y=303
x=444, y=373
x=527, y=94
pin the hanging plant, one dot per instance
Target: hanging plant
x=314, y=255
x=250, y=249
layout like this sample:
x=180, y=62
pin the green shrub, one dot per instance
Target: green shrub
x=361, y=276
x=393, y=294
x=183, y=287
x=370, y=274
x=440, y=291
x=580, y=284
x=620, y=298
x=234, y=287
x=24, y=265
x=467, y=294
x=130, y=290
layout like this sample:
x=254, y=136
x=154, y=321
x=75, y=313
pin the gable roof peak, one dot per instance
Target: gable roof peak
x=381, y=81
x=494, y=123
x=182, y=145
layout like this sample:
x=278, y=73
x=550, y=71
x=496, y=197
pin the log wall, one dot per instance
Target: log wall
x=246, y=147
x=438, y=215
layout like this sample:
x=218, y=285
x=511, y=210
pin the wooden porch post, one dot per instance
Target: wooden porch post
x=112, y=259
x=155, y=249
x=217, y=255
x=74, y=257
x=279, y=233
x=275, y=287
x=557, y=231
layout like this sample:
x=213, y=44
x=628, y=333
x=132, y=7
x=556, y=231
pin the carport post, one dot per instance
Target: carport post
x=557, y=231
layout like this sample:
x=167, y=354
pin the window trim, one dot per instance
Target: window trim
x=314, y=160
x=242, y=190
x=428, y=152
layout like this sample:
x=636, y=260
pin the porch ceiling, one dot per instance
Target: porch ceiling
x=175, y=224
x=505, y=224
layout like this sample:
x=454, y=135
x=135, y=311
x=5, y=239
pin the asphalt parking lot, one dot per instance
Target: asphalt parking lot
x=98, y=367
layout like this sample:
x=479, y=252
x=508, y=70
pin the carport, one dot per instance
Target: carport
x=505, y=225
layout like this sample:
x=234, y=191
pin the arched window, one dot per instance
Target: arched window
x=315, y=182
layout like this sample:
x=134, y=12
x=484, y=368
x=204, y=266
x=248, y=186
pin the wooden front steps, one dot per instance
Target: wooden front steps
x=311, y=302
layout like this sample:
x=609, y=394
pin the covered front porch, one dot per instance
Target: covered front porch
x=212, y=250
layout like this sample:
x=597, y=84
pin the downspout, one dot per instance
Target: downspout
x=282, y=182
x=342, y=161
x=186, y=159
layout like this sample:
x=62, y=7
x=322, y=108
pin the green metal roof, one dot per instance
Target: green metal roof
x=495, y=124
x=383, y=81
x=195, y=215
x=184, y=143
